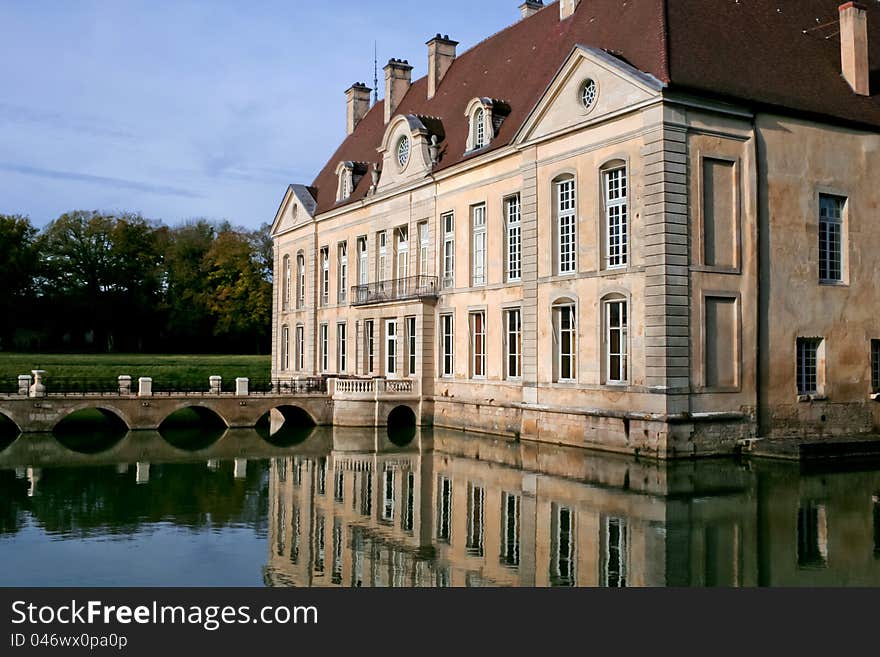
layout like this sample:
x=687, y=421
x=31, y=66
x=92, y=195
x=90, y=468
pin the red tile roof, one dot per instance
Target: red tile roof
x=752, y=50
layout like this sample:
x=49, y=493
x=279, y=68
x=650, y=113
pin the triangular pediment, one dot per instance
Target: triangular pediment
x=618, y=88
x=297, y=207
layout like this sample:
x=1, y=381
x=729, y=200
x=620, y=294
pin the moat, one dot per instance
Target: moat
x=355, y=507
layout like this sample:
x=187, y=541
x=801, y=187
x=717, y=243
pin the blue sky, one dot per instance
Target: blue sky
x=181, y=109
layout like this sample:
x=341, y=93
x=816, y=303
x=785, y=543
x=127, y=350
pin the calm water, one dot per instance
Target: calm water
x=349, y=508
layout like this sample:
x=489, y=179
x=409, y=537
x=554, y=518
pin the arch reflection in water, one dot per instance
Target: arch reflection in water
x=286, y=426
x=90, y=430
x=460, y=510
x=193, y=428
x=9, y=432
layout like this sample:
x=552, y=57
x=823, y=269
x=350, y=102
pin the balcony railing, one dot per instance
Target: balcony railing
x=397, y=289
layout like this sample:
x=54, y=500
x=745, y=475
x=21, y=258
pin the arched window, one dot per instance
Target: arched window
x=564, y=341
x=479, y=128
x=300, y=281
x=615, y=198
x=565, y=215
x=285, y=293
x=615, y=339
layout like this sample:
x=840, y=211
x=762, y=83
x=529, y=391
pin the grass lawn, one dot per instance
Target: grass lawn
x=191, y=371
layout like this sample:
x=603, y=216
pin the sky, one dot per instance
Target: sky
x=204, y=108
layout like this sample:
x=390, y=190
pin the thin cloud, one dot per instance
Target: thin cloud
x=118, y=183
x=82, y=124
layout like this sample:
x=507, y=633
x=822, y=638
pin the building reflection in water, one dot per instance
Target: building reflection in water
x=454, y=510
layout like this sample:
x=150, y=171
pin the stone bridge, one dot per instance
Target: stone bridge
x=345, y=402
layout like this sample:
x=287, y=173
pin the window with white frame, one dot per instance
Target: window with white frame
x=300, y=348
x=478, y=344
x=448, y=221
x=808, y=365
x=831, y=238
x=479, y=128
x=424, y=244
x=319, y=544
x=409, y=508
x=325, y=275
x=514, y=238
x=338, y=485
x=478, y=245
x=411, y=356
x=286, y=292
x=447, y=345
x=562, y=546
x=342, y=269
x=390, y=348
x=444, y=515
x=301, y=281
x=616, y=341
x=367, y=493
x=402, y=252
x=566, y=225
x=338, y=540
x=875, y=366
x=616, y=218
x=614, y=565
x=285, y=348
x=565, y=341
x=381, y=256
x=476, y=519
x=513, y=343
x=324, y=338
x=341, y=347
x=363, y=267
x=388, y=495
x=370, y=345
x=510, y=522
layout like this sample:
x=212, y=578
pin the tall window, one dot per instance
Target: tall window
x=616, y=218
x=478, y=344
x=447, y=344
x=300, y=348
x=875, y=365
x=300, y=281
x=342, y=255
x=479, y=128
x=325, y=347
x=325, y=275
x=411, y=346
x=448, y=221
x=478, y=245
x=831, y=238
x=614, y=565
x=562, y=550
x=319, y=544
x=285, y=348
x=381, y=256
x=390, y=347
x=514, y=238
x=286, y=293
x=616, y=342
x=410, y=504
x=444, y=515
x=402, y=252
x=565, y=341
x=812, y=535
x=424, y=269
x=566, y=226
x=808, y=365
x=363, y=268
x=341, y=347
x=388, y=495
x=513, y=343
x=476, y=503
x=510, y=504
x=370, y=345
x=336, y=575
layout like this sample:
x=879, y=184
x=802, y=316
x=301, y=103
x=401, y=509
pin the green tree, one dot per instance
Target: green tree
x=189, y=320
x=18, y=271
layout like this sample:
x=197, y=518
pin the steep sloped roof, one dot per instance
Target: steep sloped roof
x=751, y=50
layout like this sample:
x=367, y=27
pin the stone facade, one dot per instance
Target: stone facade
x=718, y=282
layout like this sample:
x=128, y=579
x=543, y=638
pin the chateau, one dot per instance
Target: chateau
x=649, y=227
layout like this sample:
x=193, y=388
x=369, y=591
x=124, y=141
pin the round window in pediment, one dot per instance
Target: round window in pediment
x=589, y=94
x=403, y=151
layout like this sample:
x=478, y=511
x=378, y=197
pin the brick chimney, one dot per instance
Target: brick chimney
x=441, y=54
x=567, y=8
x=398, y=77
x=357, y=104
x=854, y=47
x=531, y=7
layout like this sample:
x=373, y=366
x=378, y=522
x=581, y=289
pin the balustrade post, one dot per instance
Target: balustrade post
x=331, y=387
x=240, y=469
x=124, y=384
x=142, y=473
x=241, y=386
x=145, y=387
x=37, y=389
x=24, y=384
x=215, y=384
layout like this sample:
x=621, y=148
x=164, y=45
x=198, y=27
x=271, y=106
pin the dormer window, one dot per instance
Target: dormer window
x=403, y=151
x=484, y=120
x=479, y=128
x=350, y=174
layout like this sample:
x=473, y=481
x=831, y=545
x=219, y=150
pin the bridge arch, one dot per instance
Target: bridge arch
x=90, y=429
x=401, y=425
x=286, y=426
x=193, y=428
x=9, y=431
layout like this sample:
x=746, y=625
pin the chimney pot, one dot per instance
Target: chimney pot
x=441, y=54
x=357, y=104
x=854, y=57
x=398, y=77
x=531, y=7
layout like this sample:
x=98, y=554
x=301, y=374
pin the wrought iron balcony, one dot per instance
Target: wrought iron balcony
x=396, y=289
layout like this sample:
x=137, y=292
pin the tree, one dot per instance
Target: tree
x=189, y=320
x=18, y=270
